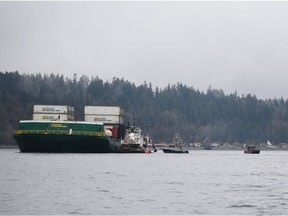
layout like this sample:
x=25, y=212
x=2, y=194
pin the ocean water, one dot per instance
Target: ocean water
x=201, y=182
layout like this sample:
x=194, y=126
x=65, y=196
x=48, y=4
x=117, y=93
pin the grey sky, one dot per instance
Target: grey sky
x=233, y=46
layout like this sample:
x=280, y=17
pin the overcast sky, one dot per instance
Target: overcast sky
x=233, y=46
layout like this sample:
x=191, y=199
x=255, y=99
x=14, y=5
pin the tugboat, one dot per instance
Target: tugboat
x=133, y=141
x=251, y=149
x=177, y=146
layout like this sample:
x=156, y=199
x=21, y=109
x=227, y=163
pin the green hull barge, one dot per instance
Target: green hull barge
x=64, y=137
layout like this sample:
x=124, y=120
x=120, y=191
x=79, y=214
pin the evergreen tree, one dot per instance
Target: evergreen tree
x=196, y=115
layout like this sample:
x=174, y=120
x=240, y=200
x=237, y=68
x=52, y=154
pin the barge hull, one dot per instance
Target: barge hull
x=52, y=143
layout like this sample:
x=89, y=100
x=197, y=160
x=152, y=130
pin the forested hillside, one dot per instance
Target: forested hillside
x=198, y=116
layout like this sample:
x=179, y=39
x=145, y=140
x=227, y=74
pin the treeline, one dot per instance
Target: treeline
x=198, y=116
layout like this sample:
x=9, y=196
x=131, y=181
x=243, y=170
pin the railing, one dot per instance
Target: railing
x=82, y=133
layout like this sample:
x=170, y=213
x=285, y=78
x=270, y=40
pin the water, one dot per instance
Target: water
x=201, y=182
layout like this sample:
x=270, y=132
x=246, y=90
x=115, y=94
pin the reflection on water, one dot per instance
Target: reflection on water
x=201, y=182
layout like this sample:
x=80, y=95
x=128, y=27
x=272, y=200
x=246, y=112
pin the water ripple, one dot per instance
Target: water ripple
x=202, y=182
x=242, y=206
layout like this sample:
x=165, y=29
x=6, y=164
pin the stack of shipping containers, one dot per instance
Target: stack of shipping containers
x=112, y=117
x=53, y=113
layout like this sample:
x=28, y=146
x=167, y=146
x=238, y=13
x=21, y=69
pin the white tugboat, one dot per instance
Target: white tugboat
x=133, y=141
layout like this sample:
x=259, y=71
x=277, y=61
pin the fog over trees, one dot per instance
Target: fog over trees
x=198, y=116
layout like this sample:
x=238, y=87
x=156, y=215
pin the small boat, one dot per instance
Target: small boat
x=251, y=149
x=167, y=150
x=148, y=144
x=207, y=147
x=177, y=146
x=269, y=145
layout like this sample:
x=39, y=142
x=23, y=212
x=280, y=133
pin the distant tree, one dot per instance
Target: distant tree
x=198, y=116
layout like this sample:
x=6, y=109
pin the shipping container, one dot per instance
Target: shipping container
x=52, y=117
x=59, y=109
x=106, y=119
x=103, y=110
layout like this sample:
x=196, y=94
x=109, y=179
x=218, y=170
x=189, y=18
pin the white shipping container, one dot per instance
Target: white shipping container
x=52, y=117
x=106, y=119
x=103, y=110
x=53, y=109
